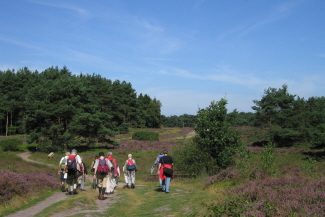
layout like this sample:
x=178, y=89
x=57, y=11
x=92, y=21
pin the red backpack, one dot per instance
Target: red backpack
x=102, y=168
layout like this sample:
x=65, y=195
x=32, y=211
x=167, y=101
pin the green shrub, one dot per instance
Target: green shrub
x=145, y=135
x=214, y=135
x=268, y=159
x=10, y=144
x=190, y=159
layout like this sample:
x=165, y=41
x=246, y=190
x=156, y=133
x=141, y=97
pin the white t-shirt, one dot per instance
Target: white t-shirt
x=63, y=160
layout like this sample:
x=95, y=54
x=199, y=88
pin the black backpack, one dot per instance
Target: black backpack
x=72, y=164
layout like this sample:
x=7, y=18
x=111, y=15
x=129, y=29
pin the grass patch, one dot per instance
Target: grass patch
x=20, y=203
x=184, y=199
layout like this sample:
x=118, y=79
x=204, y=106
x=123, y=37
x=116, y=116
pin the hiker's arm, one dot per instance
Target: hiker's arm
x=95, y=167
x=158, y=169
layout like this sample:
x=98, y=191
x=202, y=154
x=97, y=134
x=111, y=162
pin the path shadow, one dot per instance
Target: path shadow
x=158, y=189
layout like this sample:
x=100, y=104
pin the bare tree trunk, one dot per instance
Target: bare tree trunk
x=10, y=118
x=7, y=123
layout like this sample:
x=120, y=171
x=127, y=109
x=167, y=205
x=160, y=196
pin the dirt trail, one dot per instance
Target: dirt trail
x=100, y=207
x=25, y=156
x=32, y=211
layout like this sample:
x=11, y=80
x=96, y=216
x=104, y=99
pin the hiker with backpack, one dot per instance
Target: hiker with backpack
x=102, y=168
x=109, y=181
x=165, y=171
x=115, y=173
x=130, y=167
x=62, y=171
x=73, y=167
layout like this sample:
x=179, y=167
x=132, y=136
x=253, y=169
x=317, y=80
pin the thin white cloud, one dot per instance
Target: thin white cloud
x=23, y=44
x=149, y=26
x=277, y=13
x=85, y=57
x=300, y=85
x=222, y=74
x=63, y=5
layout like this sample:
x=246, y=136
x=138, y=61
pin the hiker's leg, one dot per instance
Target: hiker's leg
x=160, y=182
x=69, y=183
x=94, y=183
x=107, y=184
x=113, y=183
x=100, y=187
x=65, y=181
x=75, y=181
x=126, y=178
x=133, y=178
x=163, y=185
x=129, y=179
x=82, y=186
x=79, y=177
x=167, y=182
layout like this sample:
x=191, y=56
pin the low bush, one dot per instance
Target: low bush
x=292, y=195
x=17, y=184
x=11, y=144
x=190, y=159
x=145, y=135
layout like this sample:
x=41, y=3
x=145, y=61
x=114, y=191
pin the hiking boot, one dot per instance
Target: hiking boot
x=75, y=191
x=132, y=186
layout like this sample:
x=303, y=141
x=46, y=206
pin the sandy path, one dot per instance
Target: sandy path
x=25, y=156
x=32, y=211
x=100, y=207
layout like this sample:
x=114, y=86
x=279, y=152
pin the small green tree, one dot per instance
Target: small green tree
x=214, y=136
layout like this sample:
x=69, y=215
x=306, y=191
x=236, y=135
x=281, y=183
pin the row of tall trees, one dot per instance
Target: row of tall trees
x=57, y=108
x=184, y=120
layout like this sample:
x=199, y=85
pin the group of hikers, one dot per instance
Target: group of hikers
x=106, y=172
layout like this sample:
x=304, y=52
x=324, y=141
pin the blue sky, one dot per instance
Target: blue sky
x=184, y=53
